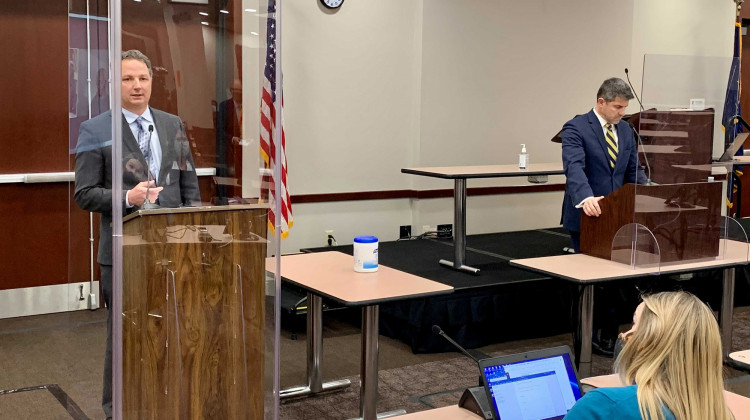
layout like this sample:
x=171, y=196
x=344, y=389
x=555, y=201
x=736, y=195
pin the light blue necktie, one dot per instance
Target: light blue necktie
x=144, y=142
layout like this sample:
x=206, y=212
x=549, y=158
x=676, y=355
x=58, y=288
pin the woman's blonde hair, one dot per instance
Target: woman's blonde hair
x=674, y=356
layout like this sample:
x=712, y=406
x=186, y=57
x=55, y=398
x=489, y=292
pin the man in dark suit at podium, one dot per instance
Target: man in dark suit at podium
x=229, y=143
x=599, y=154
x=157, y=164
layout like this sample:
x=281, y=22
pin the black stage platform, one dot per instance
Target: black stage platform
x=502, y=303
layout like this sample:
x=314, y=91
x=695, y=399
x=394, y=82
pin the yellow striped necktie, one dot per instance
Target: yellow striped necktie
x=611, y=145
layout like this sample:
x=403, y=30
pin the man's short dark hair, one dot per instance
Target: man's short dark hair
x=614, y=88
x=137, y=55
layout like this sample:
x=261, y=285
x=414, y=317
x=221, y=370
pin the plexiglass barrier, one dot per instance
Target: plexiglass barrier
x=681, y=197
x=734, y=243
x=173, y=106
x=635, y=245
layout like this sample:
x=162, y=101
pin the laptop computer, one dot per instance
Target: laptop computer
x=734, y=147
x=535, y=385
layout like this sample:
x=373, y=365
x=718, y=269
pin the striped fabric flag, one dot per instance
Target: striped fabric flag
x=730, y=124
x=267, y=132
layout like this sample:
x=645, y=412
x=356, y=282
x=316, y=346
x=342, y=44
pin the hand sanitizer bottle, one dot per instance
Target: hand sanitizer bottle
x=523, y=158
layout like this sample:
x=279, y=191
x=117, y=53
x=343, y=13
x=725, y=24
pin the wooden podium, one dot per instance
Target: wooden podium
x=685, y=220
x=193, y=313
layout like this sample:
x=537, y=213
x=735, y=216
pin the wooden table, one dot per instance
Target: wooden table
x=451, y=412
x=460, y=174
x=586, y=271
x=738, y=404
x=741, y=359
x=332, y=275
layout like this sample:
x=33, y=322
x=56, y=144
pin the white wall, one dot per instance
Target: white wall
x=351, y=112
x=382, y=85
x=701, y=41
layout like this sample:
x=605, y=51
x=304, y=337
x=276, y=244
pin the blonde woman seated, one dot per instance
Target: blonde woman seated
x=673, y=358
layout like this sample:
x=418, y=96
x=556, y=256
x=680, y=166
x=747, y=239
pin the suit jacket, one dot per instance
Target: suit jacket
x=586, y=165
x=228, y=126
x=93, y=173
x=228, y=154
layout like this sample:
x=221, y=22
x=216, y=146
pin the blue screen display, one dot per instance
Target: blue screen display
x=544, y=388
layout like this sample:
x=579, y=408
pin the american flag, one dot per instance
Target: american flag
x=267, y=131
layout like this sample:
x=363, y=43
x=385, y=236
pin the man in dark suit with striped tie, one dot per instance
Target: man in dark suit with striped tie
x=599, y=155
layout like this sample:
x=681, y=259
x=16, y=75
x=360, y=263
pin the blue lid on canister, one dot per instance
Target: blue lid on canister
x=365, y=239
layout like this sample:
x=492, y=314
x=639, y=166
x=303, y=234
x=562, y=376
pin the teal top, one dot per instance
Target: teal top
x=610, y=404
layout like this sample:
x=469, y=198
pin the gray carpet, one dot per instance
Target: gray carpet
x=440, y=383
x=66, y=350
x=417, y=387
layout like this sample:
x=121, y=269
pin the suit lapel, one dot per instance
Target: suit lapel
x=599, y=133
x=622, y=147
x=129, y=143
x=165, y=133
x=235, y=119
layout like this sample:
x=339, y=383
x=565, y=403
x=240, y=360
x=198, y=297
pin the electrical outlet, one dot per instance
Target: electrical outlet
x=404, y=232
x=329, y=239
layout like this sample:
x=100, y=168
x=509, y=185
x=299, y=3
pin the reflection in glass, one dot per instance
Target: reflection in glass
x=196, y=312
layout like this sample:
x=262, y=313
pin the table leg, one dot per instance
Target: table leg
x=727, y=310
x=586, y=322
x=459, y=232
x=315, y=383
x=368, y=394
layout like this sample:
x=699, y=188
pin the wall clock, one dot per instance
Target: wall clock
x=332, y=4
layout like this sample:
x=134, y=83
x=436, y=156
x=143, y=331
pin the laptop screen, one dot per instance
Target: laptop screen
x=531, y=388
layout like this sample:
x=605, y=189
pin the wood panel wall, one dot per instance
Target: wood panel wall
x=47, y=234
x=36, y=218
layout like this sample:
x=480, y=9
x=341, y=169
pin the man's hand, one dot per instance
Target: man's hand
x=591, y=207
x=137, y=196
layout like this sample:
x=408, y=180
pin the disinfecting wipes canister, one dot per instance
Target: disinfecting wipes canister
x=365, y=254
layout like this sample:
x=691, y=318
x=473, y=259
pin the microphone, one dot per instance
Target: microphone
x=473, y=399
x=439, y=331
x=148, y=205
x=632, y=88
x=645, y=155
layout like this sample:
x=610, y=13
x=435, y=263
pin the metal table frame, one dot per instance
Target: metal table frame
x=370, y=332
x=556, y=267
x=460, y=174
x=586, y=321
x=368, y=399
x=315, y=384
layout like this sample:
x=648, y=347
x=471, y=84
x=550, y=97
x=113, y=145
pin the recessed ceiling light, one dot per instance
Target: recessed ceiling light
x=254, y=33
x=204, y=23
x=224, y=11
x=251, y=10
x=203, y=13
